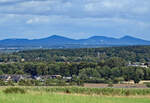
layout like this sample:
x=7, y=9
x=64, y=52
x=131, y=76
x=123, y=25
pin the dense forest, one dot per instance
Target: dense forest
x=129, y=53
x=96, y=65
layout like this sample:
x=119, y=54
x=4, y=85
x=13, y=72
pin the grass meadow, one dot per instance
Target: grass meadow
x=42, y=95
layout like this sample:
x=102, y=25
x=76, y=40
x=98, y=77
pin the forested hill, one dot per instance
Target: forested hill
x=129, y=53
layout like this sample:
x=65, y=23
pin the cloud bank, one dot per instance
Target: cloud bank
x=74, y=18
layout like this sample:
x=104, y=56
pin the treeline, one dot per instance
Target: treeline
x=111, y=71
x=130, y=53
x=98, y=65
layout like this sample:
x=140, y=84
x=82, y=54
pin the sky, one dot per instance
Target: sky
x=76, y=19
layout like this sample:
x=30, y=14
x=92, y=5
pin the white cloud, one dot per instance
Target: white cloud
x=118, y=7
x=38, y=20
x=80, y=8
x=4, y=1
x=62, y=16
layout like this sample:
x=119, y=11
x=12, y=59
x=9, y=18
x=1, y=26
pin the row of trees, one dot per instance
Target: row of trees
x=104, y=71
x=55, y=68
x=114, y=75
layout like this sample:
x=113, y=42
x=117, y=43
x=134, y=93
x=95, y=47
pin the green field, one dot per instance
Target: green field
x=62, y=98
x=35, y=95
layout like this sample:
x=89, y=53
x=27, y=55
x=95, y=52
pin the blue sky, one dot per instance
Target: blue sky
x=74, y=18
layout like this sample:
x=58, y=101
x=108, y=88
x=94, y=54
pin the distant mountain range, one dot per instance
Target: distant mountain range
x=56, y=41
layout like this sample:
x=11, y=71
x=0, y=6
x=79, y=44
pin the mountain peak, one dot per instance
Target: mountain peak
x=54, y=40
x=55, y=36
x=127, y=37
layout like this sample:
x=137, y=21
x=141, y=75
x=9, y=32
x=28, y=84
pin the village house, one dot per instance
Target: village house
x=51, y=76
x=17, y=78
x=138, y=64
x=5, y=78
x=14, y=78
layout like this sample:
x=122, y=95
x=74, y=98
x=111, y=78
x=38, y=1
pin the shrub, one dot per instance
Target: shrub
x=10, y=83
x=14, y=90
x=72, y=83
x=61, y=83
x=25, y=83
x=96, y=80
x=67, y=91
x=110, y=85
x=148, y=85
x=127, y=93
x=2, y=83
x=118, y=80
x=80, y=82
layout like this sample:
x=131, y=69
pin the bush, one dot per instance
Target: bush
x=10, y=83
x=2, y=83
x=148, y=85
x=96, y=80
x=61, y=83
x=25, y=83
x=118, y=80
x=67, y=91
x=14, y=90
x=110, y=85
x=80, y=83
x=72, y=83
